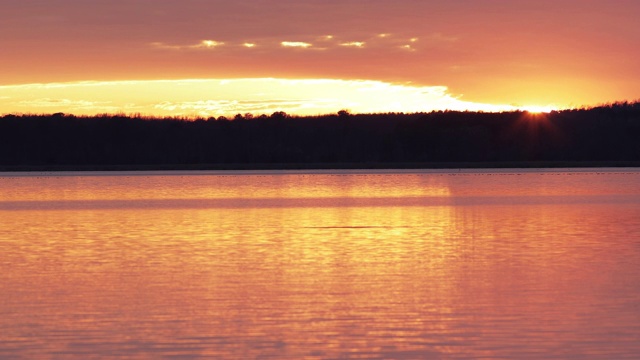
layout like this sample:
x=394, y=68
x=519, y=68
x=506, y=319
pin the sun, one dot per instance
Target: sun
x=539, y=109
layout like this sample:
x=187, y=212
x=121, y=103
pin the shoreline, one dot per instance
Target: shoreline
x=324, y=166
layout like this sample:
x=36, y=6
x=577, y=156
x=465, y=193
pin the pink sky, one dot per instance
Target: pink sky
x=522, y=53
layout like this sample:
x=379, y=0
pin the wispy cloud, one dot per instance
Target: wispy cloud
x=319, y=42
x=407, y=47
x=65, y=104
x=48, y=102
x=203, y=44
x=208, y=44
x=296, y=44
x=357, y=44
x=212, y=107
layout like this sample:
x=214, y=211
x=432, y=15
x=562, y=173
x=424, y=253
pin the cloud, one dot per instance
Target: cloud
x=163, y=46
x=323, y=42
x=203, y=44
x=47, y=102
x=50, y=103
x=296, y=44
x=208, y=44
x=216, y=97
x=212, y=107
x=357, y=44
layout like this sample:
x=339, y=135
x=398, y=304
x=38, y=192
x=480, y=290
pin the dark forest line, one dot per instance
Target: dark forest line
x=601, y=136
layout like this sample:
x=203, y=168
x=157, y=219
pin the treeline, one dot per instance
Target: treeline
x=602, y=134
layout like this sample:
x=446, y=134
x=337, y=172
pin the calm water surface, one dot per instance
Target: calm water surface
x=455, y=265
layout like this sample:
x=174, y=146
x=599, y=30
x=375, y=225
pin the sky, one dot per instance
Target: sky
x=220, y=57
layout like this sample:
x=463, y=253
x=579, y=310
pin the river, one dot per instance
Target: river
x=464, y=264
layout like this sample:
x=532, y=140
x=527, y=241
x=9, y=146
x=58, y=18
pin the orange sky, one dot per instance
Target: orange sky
x=478, y=54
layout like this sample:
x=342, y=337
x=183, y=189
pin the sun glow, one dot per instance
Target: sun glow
x=539, y=109
x=216, y=97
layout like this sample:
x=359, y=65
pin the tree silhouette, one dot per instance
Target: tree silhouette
x=607, y=133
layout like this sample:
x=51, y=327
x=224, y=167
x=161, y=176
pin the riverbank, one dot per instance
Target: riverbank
x=327, y=166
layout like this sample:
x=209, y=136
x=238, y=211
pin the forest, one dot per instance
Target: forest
x=608, y=134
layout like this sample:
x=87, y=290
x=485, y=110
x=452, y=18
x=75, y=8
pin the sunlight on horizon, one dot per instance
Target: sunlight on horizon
x=227, y=97
x=538, y=109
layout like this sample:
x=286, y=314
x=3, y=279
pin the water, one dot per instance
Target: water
x=472, y=264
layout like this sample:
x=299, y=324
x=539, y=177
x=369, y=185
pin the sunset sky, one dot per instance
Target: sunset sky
x=221, y=57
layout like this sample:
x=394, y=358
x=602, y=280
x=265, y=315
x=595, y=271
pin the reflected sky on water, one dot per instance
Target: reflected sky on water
x=472, y=264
